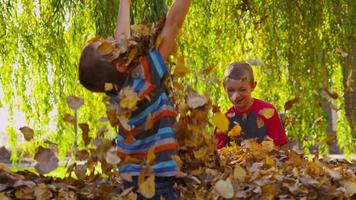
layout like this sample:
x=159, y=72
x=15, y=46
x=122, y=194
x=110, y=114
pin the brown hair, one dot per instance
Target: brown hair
x=237, y=71
x=95, y=71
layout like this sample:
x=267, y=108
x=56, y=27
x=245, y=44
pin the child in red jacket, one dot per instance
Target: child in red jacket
x=256, y=118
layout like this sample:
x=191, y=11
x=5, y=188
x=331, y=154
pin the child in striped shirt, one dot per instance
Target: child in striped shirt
x=145, y=78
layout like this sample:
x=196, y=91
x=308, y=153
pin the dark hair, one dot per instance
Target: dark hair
x=238, y=70
x=95, y=71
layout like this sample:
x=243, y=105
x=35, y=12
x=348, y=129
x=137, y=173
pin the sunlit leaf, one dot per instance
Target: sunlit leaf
x=111, y=156
x=294, y=159
x=240, y=173
x=224, y=189
x=151, y=156
x=221, y=121
x=180, y=69
x=195, y=100
x=350, y=187
x=105, y=48
x=149, y=122
x=42, y=192
x=267, y=112
x=235, y=131
x=27, y=133
x=129, y=99
x=147, y=188
x=140, y=29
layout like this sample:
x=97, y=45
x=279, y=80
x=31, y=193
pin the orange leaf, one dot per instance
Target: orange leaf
x=149, y=122
x=180, y=69
x=105, y=48
x=151, y=156
x=236, y=131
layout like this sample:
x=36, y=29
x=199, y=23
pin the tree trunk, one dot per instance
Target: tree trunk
x=350, y=95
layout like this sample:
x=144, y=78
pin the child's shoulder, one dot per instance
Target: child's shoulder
x=260, y=104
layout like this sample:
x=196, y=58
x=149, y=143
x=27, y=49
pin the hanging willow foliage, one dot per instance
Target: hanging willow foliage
x=295, y=40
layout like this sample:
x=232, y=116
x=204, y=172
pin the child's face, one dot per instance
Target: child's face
x=240, y=92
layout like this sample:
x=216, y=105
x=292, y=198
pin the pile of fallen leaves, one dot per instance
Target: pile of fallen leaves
x=249, y=171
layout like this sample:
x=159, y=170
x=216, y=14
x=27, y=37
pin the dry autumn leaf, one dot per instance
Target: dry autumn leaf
x=141, y=29
x=74, y=102
x=85, y=133
x=46, y=160
x=207, y=70
x=195, y=100
x=111, y=156
x=149, y=122
x=147, y=188
x=235, y=131
x=240, y=173
x=27, y=133
x=69, y=118
x=220, y=121
x=260, y=122
x=254, y=62
x=151, y=156
x=267, y=112
x=180, y=69
x=289, y=104
x=129, y=98
x=224, y=189
x=350, y=187
x=105, y=48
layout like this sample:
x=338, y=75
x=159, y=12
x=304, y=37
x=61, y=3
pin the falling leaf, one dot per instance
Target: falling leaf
x=254, y=62
x=158, y=41
x=108, y=87
x=195, y=100
x=147, y=188
x=260, y=122
x=236, y=131
x=342, y=52
x=94, y=39
x=105, y=48
x=140, y=29
x=318, y=121
x=80, y=171
x=82, y=154
x=124, y=122
x=69, y=118
x=151, y=156
x=27, y=133
x=207, y=70
x=289, y=104
x=224, y=189
x=221, y=121
x=129, y=99
x=74, y=102
x=111, y=156
x=267, y=112
x=132, y=55
x=331, y=94
x=350, y=187
x=149, y=122
x=349, y=82
x=85, y=133
x=240, y=173
x=180, y=69
x=178, y=160
x=46, y=160
x=129, y=139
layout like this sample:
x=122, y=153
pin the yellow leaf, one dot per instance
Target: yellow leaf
x=129, y=99
x=267, y=112
x=93, y=39
x=267, y=145
x=270, y=161
x=108, y=87
x=294, y=159
x=149, y=122
x=221, y=121
x=240, y=173
x=151, y=156
x=147, y=188
x=260, y=122
x=105, y=48
x=141, y=29
x=236, y=131
x=180, y=69
x=132, y=55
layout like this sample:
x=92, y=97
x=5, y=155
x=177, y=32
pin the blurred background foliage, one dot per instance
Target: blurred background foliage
x=307, y=49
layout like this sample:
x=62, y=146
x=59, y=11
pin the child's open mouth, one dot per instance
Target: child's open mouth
x=238, y=101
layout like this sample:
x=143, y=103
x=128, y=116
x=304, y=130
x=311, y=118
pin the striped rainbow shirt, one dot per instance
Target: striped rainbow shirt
x=149, y=83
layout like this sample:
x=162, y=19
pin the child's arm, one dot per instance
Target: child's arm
x=276, y=130
x=174, y=22
x=123, y=20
